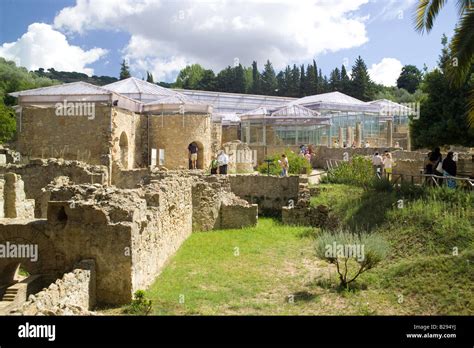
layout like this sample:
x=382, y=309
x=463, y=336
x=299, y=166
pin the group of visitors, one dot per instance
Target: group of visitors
x=435, y=165
x=219, y=162
x=383, y=164
x=306, y=152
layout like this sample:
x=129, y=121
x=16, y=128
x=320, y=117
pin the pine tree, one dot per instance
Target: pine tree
x=149, y=77
x=345, y=80
x=361, y=85
x=269, y=82
x=302, y=91
x=257, y=79
x=335, y=80
x=124, y=70
x=311, y=81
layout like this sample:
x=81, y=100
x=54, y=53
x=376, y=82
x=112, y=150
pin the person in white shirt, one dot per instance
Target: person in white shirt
x=223, y=161
x=284, y=165
x=377, y=163
x=388, y=165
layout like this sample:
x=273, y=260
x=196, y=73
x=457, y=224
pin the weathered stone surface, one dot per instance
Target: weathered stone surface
x=73, y=294
x=16, y=204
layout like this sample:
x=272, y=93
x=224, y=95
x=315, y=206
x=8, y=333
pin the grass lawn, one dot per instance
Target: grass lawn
x=272, y=269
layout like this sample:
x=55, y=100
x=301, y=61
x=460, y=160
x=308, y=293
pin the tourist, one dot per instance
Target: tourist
x=397, y=145
x=354, y=145
x=427, y=164
x=388, y=165
x=223, y=162
x=336, y=144
x=436, y=161
x=283, y=162
x=193, y=154
x=450, y=169
x=377, y=163
x=214, y=165
x=367, y=144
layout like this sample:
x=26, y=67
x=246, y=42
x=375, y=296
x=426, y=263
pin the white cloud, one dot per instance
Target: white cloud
x=164, y=34
x=43, y=47
x=386, y=72
x=395, y=9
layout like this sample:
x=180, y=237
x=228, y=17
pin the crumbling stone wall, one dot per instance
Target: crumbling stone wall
x=73, y=294
x=271, y=193
x=14, y=199
x=240, y=157
x=215, y=206
x=38, y=173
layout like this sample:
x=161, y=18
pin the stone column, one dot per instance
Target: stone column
x=358, y=135
x=389, y=133
x=328, y=131
x=2, y=201
x=16, y=204
x=349, y=136
x=408, y=139
x=341, y=136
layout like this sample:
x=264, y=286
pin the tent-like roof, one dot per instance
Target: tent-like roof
x=336, y=101
x=74, y=88
x=177, y=103
x=288, y=114
x=388, y=107
x=139, y=90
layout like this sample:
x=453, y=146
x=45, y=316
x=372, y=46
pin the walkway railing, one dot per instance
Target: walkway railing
x=431, y=179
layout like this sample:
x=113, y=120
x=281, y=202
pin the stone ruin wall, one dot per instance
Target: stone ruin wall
x=73, y=294
x=406, y=162
x=43, y=134
x=270, y=193
x=174, y=133
x=38, y=173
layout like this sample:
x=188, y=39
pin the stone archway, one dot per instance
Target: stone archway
x=123, y=143
x=200, y=158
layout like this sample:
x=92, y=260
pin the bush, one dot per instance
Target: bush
x=140, y=304
x=7, y=123
x=298, y=164
x=345, y=250
x=358, y=172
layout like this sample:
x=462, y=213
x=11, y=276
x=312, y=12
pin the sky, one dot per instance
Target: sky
x=163, y=36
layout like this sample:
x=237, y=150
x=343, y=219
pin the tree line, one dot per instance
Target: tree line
x=296, y=81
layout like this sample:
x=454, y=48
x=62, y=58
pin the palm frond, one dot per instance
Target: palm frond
x=426, y=13
x=464, y=5
x=462, y=48
x=470, y=112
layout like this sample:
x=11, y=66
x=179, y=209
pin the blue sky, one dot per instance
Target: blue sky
x=93, y=36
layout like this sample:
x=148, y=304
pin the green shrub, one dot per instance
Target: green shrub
x=140, y=304
x=358, y=172
x=297, y=164
x=352, y=254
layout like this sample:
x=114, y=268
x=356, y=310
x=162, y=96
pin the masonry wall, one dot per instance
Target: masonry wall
x=39, y=173
x=271, y=193
x=72, y=294
x=230, y=133
x=163, y=229
x=174, y=133
x=43, y=134
x=132, y=127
